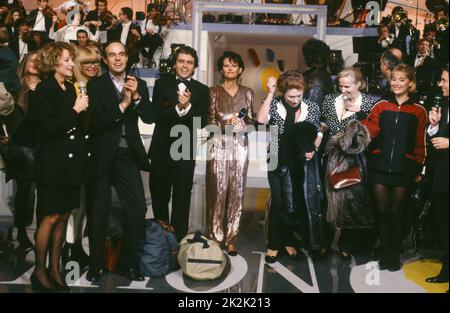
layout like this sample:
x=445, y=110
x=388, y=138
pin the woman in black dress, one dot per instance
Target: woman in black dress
x=22, y=128
x=61, y=159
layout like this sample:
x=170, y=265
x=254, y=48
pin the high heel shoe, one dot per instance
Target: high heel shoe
x=293, y=255
x=58, y=287
x=231, y=250
x=271, y=259
x=38, y=286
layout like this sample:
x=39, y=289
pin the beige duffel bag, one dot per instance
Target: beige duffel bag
x=201, y=258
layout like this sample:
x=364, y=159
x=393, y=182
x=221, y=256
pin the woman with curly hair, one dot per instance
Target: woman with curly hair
x=61, y=159
x=294, y=181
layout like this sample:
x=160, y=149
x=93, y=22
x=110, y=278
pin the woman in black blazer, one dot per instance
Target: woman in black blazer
x=61, y=159
x=22, y=128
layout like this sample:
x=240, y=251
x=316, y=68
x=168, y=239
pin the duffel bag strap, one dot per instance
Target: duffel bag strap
x=198, y=238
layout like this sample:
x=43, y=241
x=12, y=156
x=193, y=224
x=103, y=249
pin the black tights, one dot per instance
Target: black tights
x=390, y=201
x=50, y=237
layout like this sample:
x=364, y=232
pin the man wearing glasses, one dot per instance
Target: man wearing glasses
x=116, y=100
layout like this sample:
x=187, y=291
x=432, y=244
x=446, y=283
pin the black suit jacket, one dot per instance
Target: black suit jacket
x=132, y=43
x=400, y=40
x=62, y=150
x=14, y=45
x=93, y=16
x=165, y=99
x=108, y=120
x=439, y=158
x=32, y=20
x=425, y=73
x=116, y=32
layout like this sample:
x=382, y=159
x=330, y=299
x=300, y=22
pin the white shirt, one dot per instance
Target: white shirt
x=125, y=30
x=387, y=42
x=434, y=130
x=23, y=49
x=39, y=25
x=69, y=33
x=150, y=27
x=397, y=30
x=182, y=87
x=120, y=83
x=419, y=60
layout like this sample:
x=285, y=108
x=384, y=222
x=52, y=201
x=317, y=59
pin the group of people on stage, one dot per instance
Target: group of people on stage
x=75, y=133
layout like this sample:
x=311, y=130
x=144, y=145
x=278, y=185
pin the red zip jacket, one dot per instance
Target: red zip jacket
x=398, y=136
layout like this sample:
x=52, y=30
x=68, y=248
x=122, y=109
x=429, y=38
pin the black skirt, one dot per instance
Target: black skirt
x=391, y=179
x=57, y=199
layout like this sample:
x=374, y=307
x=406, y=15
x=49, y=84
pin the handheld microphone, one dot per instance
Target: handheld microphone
x=437, y=101
x=242, y=113
x=346, y=99
x=82, y=89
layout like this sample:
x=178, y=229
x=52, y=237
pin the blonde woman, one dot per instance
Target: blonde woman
x=397, y=128
x=87, y=67
x=349, y=209
x=22, y=128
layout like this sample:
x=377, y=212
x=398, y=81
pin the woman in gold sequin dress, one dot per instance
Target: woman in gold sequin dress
x=231, y=110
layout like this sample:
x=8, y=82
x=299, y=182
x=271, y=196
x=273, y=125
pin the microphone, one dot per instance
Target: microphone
x=346, y=99
x=82, y=89
x=242, y=113
x=437, y=101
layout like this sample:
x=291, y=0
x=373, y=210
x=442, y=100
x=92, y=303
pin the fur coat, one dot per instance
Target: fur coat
x=349, y=207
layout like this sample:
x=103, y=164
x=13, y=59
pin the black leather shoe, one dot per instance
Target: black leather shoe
x=57, y=286
x=132, y=274
x=270, y=259
x=439, y=279
x=38, y=286
x=93, y=275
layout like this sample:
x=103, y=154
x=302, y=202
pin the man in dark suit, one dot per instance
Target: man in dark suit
x=99, y=18
x=9, y=64
x=22, y=43
x=116, y=101
x=39, y=21
x=424, y=67
x=399, y=29
x=178, y=101
x=127, y=33
x=439, y=145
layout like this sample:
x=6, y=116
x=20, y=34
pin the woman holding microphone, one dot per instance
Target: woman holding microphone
x=61, y=159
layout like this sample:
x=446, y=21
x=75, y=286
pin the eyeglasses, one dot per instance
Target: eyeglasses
x=91, y=63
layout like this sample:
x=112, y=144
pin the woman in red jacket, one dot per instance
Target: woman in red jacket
x=397, y=127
